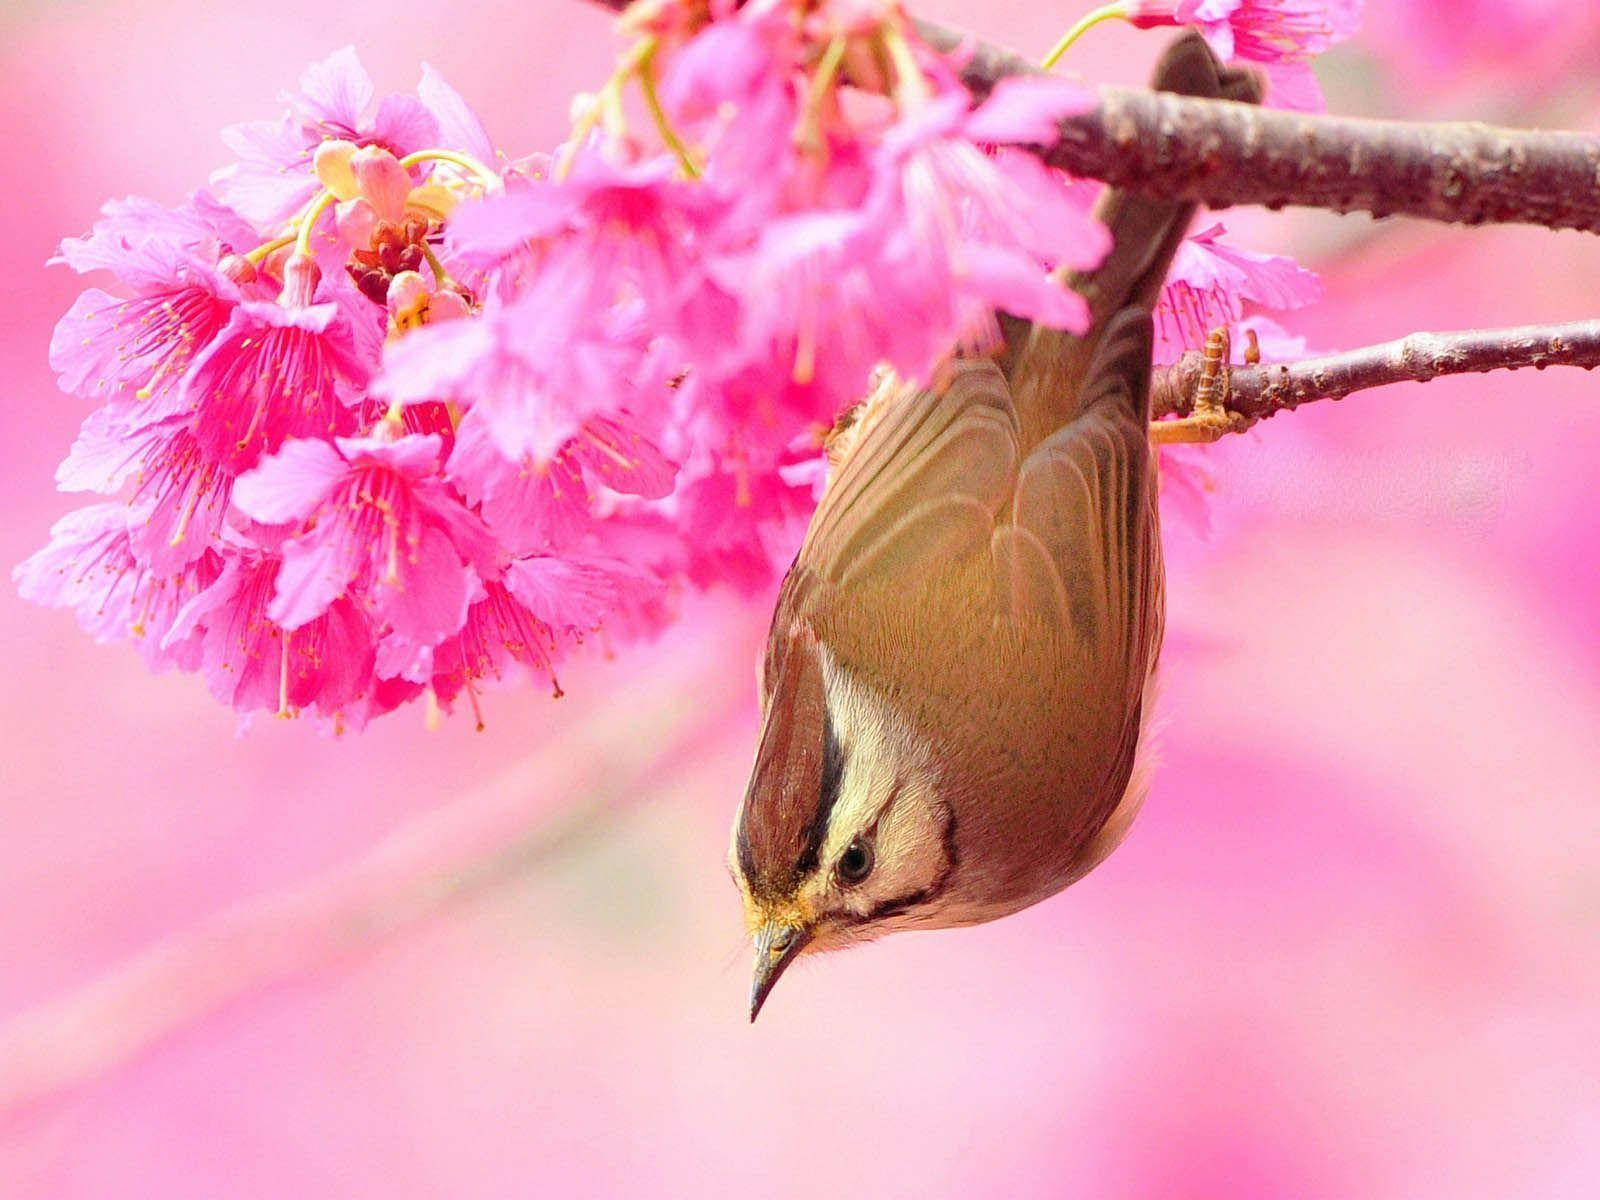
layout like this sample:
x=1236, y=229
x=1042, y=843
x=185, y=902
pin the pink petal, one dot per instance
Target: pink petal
x=314, y=574
x=338, y=89
x=459, y=127
x=415, y=456
x=1029, y=110
x=429, y=601
x=564, y=593
x=1293, y=86
x=290, y=484
x=1011, y=281
x=104, y=456
x=404, y=124
x=624, y=460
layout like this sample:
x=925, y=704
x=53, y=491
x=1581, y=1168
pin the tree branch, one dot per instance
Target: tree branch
x=1221, y=154
x=1253, y=393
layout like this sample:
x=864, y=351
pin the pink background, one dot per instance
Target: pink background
x=1351, y=948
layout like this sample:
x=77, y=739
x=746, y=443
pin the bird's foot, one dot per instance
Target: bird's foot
x=1209, y=419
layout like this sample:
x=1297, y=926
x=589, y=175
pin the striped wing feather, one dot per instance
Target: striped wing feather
x=922, y=486
x=1080, y=550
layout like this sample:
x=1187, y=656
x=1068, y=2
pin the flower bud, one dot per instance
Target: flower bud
x=356, y=220
x=408, y=300
x=300, y=278
x=448, y=305
x=332, y=164
x=383, y=181
x=237, y=268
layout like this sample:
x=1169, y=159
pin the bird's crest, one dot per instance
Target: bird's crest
x=796, y=779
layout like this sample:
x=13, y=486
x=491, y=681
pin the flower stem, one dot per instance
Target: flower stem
x=585, y=125
x=911, y=87
x=320, y=205
x=441, y=275
x=1111, y=12
x=821, y=87
x=652, y=99
x=465, y=161
x=260, y=253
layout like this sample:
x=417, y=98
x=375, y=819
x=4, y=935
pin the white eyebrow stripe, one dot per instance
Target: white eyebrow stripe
x=874, y=743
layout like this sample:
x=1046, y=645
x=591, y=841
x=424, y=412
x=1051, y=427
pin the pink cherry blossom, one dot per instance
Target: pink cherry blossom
x=385, y=530
x=733, y=92
x=273, y=373
x=136, y=239
x=183, y=502
x=252, y=663
x=498, y=635
x=532, y=505
x=634, y=226
x=272, y=177
x=137, y=351
x=741, y=527
x=1210, y=284
x=1281, y=35
x=968, y=231
x=89, y=566
x=533, y=369
x=386, y=417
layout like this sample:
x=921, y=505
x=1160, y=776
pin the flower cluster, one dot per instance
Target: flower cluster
x=386, y=414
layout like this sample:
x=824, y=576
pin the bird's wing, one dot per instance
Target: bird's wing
x=1080, y=551
x=922, y=486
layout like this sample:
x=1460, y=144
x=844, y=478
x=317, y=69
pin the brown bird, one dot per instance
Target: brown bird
x=957, y=681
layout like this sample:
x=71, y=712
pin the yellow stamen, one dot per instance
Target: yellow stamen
x=283, y=676
x=472, y=696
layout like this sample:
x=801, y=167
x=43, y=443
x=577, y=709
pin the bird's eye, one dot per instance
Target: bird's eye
x=855, y=864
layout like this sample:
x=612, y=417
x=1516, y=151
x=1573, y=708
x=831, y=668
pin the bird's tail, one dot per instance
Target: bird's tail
x=1048, y=368
x=1146, y=232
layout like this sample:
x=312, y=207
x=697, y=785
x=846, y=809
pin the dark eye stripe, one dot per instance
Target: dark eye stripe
x=899, y=904
x=889, y=908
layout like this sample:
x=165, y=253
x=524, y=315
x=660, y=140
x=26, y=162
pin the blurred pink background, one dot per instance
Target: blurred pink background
x=1352, y=947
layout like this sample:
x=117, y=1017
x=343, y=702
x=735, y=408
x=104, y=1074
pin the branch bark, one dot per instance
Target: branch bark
x=1222, y=154
x=1254, y=393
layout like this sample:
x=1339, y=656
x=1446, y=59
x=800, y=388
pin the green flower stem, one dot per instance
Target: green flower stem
x=1111, y=12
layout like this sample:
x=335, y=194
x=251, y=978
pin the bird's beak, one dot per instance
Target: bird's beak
x=776, y=947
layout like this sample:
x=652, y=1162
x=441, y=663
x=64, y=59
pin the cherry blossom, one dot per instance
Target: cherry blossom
x=385, y=413
x=1282, y=36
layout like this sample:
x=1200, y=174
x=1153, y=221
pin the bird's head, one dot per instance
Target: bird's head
x=842, y=835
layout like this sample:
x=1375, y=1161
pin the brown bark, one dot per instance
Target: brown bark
x=1222, y=153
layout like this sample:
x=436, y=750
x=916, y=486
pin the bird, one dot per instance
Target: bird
x=957, y=683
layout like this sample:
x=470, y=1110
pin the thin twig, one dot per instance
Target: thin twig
x=1221, y=154
x=1255, y=393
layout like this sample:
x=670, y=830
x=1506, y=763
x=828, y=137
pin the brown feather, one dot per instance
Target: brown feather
x=987, y=562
